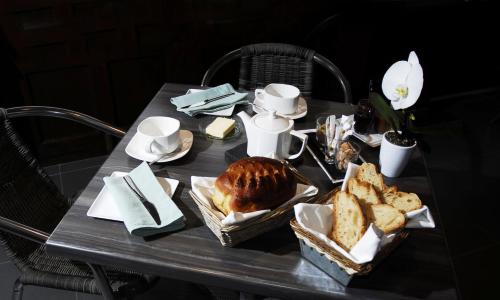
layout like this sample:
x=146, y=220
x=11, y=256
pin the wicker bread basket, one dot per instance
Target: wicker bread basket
x=231, y=235
x=331, y=261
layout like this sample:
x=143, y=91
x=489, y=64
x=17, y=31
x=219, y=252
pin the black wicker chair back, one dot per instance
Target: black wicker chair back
x=27, y=195
x=261, y=64
x=30, y=202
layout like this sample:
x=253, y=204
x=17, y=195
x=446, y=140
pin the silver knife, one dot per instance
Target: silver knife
x=203, y=102
x=147, y=204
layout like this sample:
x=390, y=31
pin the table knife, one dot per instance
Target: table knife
x=203, y=102
x=148, y=205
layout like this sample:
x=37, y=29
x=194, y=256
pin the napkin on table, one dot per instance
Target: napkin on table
x=193, y=98
x=136, y=217
x=204, y=188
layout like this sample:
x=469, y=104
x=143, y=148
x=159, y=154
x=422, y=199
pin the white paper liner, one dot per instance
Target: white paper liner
x=317, y=219
x=204, y=188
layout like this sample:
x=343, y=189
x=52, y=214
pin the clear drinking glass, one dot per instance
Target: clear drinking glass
x=364, y=117
x=321, y=137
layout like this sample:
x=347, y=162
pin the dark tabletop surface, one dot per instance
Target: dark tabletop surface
x=267, y=265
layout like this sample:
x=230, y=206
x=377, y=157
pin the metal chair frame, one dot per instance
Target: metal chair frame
x=318, y=58
x=34, y=234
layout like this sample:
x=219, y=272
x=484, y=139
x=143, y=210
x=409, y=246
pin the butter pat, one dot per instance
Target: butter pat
x=220, y=127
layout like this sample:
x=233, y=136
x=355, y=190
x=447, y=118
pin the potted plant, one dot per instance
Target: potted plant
x=401, y=85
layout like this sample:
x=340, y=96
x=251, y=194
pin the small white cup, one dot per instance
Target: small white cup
x=283, y=98
x=160, y=134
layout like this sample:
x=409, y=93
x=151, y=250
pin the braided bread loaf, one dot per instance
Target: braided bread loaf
x=252, y=184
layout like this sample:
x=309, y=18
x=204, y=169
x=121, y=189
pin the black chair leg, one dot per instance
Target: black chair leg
x=17, y=291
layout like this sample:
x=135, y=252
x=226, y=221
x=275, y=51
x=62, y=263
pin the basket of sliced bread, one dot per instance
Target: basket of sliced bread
x=350, y=229
x=252, y=196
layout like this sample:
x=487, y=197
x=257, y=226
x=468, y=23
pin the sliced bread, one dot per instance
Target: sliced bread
x=349, y=223
x=389, y=193
x=364, y=191
x=390, y=189
x=368, y=172
x=404, y=202
x=385, y=217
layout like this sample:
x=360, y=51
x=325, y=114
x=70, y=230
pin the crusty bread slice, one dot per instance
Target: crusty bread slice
x=390, y=189
x=364, y=191
x=385, y=217
x=388, y=193
x=349, y=223
x=368, y=172
x=405, y=202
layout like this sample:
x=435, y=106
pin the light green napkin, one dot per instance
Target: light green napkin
x=136, y=217
x=226, y=102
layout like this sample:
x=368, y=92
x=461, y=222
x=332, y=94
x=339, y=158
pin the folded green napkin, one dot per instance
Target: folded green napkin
x=137, y=219
x=182, y=102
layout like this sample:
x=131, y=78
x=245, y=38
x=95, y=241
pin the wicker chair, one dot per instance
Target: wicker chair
x=30, y=208
x=261, y=64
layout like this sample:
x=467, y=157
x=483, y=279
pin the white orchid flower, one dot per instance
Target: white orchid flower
x=403, y=82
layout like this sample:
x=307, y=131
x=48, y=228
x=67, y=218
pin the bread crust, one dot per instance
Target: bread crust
x=387, y=224
x=354, y=212
x=252, y=184
x=404, y=202
x=368, y=172
x=364, y=191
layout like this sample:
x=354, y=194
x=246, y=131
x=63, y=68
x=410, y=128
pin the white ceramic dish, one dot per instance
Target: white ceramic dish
x=221, y=113
x=372, y=140
x=300, y=113
x=135, y=148
x=105, y=208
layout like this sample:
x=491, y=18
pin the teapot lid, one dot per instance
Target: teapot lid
x=271, y=121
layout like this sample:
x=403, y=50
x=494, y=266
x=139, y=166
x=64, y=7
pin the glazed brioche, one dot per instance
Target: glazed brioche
x=404, y=202
x=349, y=223
x=252, y=184
x=368, y=173
x=385, y=217
x=364, y=191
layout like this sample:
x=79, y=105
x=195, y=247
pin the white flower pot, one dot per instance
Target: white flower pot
x=393, y=158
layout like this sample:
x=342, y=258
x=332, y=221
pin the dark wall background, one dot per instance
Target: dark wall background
x=108, y=58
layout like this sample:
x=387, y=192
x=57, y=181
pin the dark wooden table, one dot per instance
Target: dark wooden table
x=267, y=265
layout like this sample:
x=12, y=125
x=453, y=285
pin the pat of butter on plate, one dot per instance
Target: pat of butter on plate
x=220, y=127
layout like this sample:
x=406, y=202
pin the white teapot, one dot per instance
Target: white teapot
x=270, y=135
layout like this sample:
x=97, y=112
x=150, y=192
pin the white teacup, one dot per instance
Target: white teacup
x=283, y=98
x=160, y=134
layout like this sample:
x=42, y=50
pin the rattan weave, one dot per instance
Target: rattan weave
x=232, y=235
x=28, y=196
x=335, y=256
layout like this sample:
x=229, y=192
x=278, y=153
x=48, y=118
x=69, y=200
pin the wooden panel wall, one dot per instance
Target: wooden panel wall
x=108, y=58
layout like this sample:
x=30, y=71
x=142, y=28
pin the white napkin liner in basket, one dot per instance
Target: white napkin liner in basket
x=317, y=219
x=204, y=188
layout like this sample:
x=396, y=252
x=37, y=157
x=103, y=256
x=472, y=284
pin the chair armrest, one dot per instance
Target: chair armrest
x=57, y=112
x=332, y=68
x=207, y=77
x=23, y=231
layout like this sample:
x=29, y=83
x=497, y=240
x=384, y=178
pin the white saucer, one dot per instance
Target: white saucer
x=301, y=109
x=135, y=148
x=105, y=208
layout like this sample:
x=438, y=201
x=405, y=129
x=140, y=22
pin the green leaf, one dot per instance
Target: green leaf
x=385, y=111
